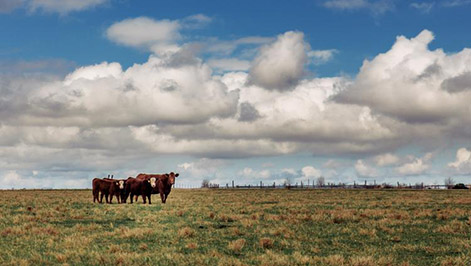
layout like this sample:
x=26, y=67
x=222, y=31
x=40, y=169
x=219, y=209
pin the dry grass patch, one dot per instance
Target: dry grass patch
x=266, y=242
x=186, y=232
x=237, y=245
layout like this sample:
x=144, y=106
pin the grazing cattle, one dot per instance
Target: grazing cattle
x=143, y=187
x=107, y=187
x=164, y=183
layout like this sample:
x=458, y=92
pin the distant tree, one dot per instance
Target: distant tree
x=449, y=182
x=320, y=182
x=288, y=181
x=205, y=183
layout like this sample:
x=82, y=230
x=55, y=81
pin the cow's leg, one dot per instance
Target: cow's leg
x=101, y=197
x=166, y=196
x=132, y=197
x=118, y=198
x=137, y=197
x=148, y=196
x=162, y=197
x=144, y=198
x=111, y=198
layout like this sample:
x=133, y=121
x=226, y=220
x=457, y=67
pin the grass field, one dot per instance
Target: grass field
x=238, y=227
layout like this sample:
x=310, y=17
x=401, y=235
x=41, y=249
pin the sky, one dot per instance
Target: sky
x=271, y=91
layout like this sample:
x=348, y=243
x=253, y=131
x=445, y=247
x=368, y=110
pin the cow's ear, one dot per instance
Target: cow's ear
x=177, y=174
x=117, y=183
x=167, y=175
x=148, y=180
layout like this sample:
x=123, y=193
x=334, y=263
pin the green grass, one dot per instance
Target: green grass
x=238, y=227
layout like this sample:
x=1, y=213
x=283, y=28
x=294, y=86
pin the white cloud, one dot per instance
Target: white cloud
x=424, y=7
x=248, y=172
x=310, y=171
x=321, y=56
x=415, y=85
x=159, y=36
x=416, y=166
x=462, y=164
x=377, y=7
x=364, y=170
x=194, y=172
x=196, y=21
x=386, y=159
x=102, y=117
x=280, y=65
x=63, y=6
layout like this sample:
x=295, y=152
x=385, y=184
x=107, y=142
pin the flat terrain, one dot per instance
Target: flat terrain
x=238, y=227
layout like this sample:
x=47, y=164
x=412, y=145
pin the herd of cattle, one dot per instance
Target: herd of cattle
x=142, y=185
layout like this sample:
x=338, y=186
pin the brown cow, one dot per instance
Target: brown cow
x=143, y=187
x=107, y=187
x=164, y=183
x=117, y=189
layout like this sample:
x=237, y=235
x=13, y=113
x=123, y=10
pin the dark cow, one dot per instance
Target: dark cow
x=117, y=189
x=164, y=183
x=143, y=187
x=107, y=187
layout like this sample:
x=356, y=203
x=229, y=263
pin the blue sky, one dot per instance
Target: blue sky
x=247, y=91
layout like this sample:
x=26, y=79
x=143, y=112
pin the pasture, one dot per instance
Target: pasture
x=238, y=227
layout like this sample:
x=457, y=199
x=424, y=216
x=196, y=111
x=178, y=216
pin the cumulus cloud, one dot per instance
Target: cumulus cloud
x=364, y=170
x=462, y=164
x=159, y=36
x=386, y=159
x=105, y=95
x=280, y=65
x=104, y=116
x=321, y=56
x=251, y=173
x=416, y=166
x=195, y=172
x=310, y=171
x=248, y=113
x=406, y=83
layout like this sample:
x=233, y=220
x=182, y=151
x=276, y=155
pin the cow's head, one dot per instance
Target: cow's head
x=120, y=184
x=153, y=181
x=171, y=178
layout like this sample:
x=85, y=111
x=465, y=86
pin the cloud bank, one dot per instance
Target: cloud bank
x=102, y=117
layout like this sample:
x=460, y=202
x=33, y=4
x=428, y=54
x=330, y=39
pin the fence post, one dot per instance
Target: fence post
x=232, y=183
